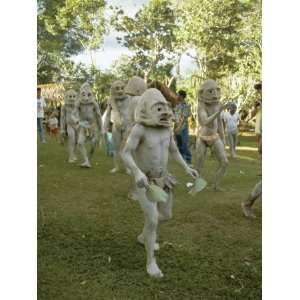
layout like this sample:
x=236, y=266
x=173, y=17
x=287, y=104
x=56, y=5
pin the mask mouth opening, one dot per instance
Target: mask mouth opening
x=164, y=118
x=212, y=100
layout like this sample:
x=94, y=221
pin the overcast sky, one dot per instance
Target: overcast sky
x=112, y=50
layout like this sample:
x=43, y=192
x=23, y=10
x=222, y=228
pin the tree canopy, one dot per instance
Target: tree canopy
x=223, y=39
x=65, y=28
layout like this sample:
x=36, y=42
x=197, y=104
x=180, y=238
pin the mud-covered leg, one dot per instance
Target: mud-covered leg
x=149, y=232
x=94, y=143
x=248, y=203
x=234, y=144
x=165, y=210
x=117, y=139
x=81, y=144
x=219, y=150
x=231, y=142
x=71, y=143
x=200, y=156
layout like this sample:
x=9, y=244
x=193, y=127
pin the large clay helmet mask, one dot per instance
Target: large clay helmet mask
x=117, y=90
x=136, y=86
x=154, y=110
x=70, y=97
x=86, y=93
x=209, y=92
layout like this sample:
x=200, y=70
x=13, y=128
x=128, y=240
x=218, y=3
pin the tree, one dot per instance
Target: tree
x=125, y=67
x=215, y=31
x=227, y=40
x=65, y=28
x=150, y=35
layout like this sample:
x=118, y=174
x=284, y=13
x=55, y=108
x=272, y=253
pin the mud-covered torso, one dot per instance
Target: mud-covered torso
x=69, y=109
x=87, y=112
x=153, y=151
x=132, y=106
x=212, y=127
x=123, y=107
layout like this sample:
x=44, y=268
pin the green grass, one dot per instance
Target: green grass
x=87, y=230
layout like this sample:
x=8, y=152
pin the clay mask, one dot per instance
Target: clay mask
x=86, y=94
x=153, y=110
x=209, y=92
x=70, y=97
x=136, y=86
x=117, y=90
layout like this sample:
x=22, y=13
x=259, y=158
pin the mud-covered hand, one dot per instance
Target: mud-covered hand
x=141, y=180
x=192, y=172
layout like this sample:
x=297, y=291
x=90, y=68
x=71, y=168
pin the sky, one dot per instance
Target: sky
x=112, y=50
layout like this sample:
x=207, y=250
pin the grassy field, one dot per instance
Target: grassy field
x=87, y=230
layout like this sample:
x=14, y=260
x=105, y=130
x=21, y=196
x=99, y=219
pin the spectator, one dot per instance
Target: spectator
x=41, y=104
x=182, y=112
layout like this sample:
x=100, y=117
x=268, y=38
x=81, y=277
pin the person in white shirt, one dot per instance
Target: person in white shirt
x=41, y=104
x=231, y=119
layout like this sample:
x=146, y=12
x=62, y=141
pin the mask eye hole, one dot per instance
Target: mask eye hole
x=159, y=109
x=89, y=94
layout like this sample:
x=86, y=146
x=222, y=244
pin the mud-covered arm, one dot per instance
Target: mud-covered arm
x=75, y=114
x=106, y=118
x=116, y=111
x=132, y=142
x=221, y=129
x=63, y=118
x=173, y=149
x=98, y=115
x=204, y=119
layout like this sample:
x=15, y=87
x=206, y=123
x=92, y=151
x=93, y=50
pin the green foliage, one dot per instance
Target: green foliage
x=101, y=82
x=150, y=35
x=216, y=31
x=66, y=28
x=125, y=67
x=227, y=40
x=225, y=37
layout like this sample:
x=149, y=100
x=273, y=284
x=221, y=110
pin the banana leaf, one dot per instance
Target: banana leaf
x=199, y=185
x=157, y=194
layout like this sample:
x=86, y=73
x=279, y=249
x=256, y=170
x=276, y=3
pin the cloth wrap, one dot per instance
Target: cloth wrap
x=166, y=182
x=89, y=130
x=209, y=139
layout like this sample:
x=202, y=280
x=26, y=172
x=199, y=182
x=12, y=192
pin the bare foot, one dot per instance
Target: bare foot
x=153, y=270
x=114, y=170
x=247, y=210
x=141, y=240
x=85, y=165
x=72, y=160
